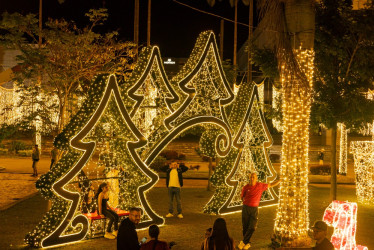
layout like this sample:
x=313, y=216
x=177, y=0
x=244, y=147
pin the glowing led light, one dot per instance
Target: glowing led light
x=363, y=153
x=343, y=149
x=292, y=219
x=342, y=215
x=169, y=61
x=276, y=98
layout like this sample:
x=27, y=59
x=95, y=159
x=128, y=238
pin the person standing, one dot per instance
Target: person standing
x=321, y=156
x=174, y=182
x=220, y=239
x=35, y=159
x=319, y=234
x=127, y=238
x=154, y=243
x=103, y=208
x=54, y=153
x=251, y=196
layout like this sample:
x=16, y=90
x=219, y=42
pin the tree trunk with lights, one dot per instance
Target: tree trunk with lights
x=296, y=70
x=343, y=151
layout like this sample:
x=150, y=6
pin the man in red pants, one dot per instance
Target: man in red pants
x=251, y=196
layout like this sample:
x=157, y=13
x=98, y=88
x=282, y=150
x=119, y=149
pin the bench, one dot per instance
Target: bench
x=97, y=223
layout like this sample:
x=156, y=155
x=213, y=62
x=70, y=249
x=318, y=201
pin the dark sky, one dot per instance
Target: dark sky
x=174, y=27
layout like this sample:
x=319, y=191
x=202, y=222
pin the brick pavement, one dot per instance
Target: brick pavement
x=187, y=232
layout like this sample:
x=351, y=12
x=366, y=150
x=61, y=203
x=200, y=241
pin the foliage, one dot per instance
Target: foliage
x=7, y=131
x=169, y=154
x=16, y=146
x=320, y=170
x=66, y=61
x=344, y=52
x=267, y=61
x=25, y=153
x=195, y=130
x=159, y=163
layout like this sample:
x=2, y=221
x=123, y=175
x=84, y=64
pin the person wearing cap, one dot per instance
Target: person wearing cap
x=319, y=234
x=251, y=196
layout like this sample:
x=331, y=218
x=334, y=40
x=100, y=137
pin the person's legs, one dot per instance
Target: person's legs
x=252, y=223
x=116, y=219
x=36, y=168
x=178, y=198
x=245, y=221
x=113, y=217
x=171, y=194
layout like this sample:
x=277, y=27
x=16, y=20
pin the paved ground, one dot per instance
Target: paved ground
x=188, y=232
x=21, y=210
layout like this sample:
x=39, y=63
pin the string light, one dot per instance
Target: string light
x=276, y=98
x=250, y=153
x=292, y=218
x=343, y=149
x=363, y=152
x=342, y=215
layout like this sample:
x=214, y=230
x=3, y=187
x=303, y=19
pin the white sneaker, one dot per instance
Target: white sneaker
x=115, y=233
x=169, y=215
x=247, y=246
x=241, y=245
x=109, y=236
x=180, y=216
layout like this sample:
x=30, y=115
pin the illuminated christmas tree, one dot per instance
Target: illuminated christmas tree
x=151, y=96
x=204, y=92
x=64, y=223
x=249, y=154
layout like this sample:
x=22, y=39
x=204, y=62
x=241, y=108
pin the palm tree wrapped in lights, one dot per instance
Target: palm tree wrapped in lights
x=291, y=25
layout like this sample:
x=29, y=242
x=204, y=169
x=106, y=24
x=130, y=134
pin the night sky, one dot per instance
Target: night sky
x=174, y=27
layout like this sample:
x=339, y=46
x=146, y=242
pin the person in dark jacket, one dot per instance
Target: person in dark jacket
x=319, y=234
x=127, y=238
x=174, y=182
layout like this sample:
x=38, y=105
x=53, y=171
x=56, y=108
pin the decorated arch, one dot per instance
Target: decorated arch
x=123, y=125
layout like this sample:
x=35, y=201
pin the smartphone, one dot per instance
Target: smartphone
x=143, y=241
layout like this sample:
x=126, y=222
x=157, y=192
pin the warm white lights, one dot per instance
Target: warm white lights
x=292, y=219
x=343, y=149
x=363, y=152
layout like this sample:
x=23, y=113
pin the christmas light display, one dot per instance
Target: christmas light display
x=12, y=110
x=342, y=215
x=124, y=124
x=252, y=141
x=204, y=93
x=343, y=149
x=276, y=98
x=363, y=153
x=8, y=100
x=292, y=219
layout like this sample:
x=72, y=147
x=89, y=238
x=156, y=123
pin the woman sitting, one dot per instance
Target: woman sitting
x=154, y=243
x=103, y=207
x=220, y=239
